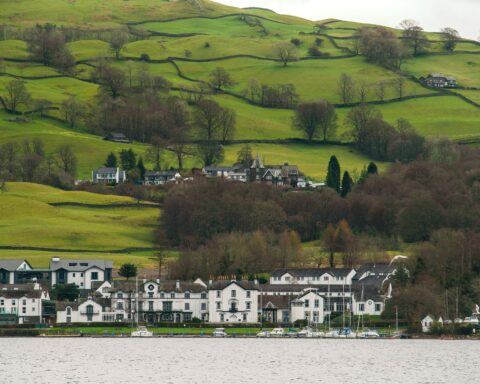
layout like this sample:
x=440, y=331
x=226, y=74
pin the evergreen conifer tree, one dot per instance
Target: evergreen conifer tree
x=372, y=169
x=333, y=174
x=141, y=167
x=346, y=184
x=111, y=161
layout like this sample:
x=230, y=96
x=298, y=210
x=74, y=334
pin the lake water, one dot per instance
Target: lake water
x=212, y=361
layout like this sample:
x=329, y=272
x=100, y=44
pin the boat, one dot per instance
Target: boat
x=308, y=332
x=277, y=332
x=263, y=334
x=347, y=333
x=368, y=334
x=332, y=334
x=142, y=332
x=219, y=332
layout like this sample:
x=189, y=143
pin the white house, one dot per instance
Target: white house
x=107, y=175
x=309, y=306
x=427, y=323
x=313, y=276
x=161, y=177
x=22, y=303
x=233, y=301
x=83, y=311
x=171, y=301
x=82, y=273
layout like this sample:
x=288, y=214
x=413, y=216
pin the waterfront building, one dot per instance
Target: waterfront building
x=82, y=273
x=231, y=301
x=22, y=303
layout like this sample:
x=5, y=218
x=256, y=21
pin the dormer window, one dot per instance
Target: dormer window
x=172, y=295
x=187, y=295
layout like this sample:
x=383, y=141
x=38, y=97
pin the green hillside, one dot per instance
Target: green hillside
x=186, y=39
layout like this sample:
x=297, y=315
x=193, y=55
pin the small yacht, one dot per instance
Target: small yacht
x=263, y=334
x=308, y=332
x=277, y=332
x=332, y=334
x=368, y=334
x=142, y=332
x=347, y=333
x=219, y=332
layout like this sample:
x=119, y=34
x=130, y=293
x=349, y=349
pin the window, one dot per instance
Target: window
x=244, y=317
x=150, y=306
x=120, y=305
x=187, y=306
x=249, y=305
x=13, y=302
x=361, y=307
x=33, y=300
x=219, y=293
x=172, y=295
x=120, y=295
x=307, y=303
x=204, y=295
x=73, y=274
x=24, y=310
x=162, y=295
x=219, y=305
x=89, y=312
x=2, y=302
x=325, y=278
x=204, y=306
x=187, y=317
x=248, y=294
x=234, y=293
x=222, y=318
x=72, y=264
x=81, y=274
x=81, y=284
x=378, y=307
x=94, y=276
x=187, y=295
x=150, y=295
x=317, y=303
x=167, y=306
x=24, y=301
x=69, y=311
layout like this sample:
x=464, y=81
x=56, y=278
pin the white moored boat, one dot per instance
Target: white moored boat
x=277, y=332
x=142, y=332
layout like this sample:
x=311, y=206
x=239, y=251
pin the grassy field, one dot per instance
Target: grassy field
x=465, y=67
x=313, y=79
x=29, y=220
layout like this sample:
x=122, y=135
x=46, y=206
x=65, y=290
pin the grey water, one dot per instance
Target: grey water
x=432, y=14
x=212, y=361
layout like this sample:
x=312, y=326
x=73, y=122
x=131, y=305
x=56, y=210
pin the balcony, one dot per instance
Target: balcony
x=89, y=313
x=233, y=310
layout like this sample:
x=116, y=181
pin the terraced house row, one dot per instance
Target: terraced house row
x=291, y=295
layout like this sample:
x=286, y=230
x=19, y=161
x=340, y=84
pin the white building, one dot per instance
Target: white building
x=161, y=177
x=107, y=175
x=171, y=301
x=82, y=273
x=83, y=311
x=427, y=323
x=309, y=306
x=22, y=303
x=233, y=302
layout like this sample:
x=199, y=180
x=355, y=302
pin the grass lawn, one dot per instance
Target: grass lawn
x=472, y=95
x=465, y=67
x=29, y=69
x=28, y=220
x=313, y=79
x=89, y=49
x=13, y=49
x=312, y=160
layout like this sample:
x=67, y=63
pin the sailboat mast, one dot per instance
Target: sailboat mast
x=136, y=298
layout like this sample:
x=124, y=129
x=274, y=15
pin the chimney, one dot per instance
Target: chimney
x=144, y=281
x=255, y=282
x=157, y=281
x=210, y=282
x=177, y=284
x=55, y=259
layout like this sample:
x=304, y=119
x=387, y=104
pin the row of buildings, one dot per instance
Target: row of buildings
x=290, y=295
x=281, y=175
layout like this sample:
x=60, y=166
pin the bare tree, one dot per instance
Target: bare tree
x=399, y=84
x=73, y=110
x=220, y=78
x=228, y=120
x=16, y=95
x=67, y=161
x=346, y=88
x=414, y=37
x=316, y=119
x=380, y=90
x=363, y=92
x=451, y=37
x=285, y=52
x=117, y=40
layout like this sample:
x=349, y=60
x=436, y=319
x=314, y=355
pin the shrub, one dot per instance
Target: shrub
x=145, y=57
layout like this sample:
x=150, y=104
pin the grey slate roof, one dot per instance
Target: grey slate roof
x=274, y=302
x=297, y=288
x=222, y=284
x=106, y=170
x=378, y=269
x=80, y=265
x=12, y=264
x=307, y=272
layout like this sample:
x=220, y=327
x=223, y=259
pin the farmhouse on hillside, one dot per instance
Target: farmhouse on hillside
x=439, y=80
x=107, y=175
x=286, y=174
x=117, y=138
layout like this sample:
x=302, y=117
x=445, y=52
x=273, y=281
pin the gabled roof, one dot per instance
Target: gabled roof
x=184, y=286
x=313, y=272
x=222, y=284
x=18, y=294
x=106, y=170
x=275, y=172
x=79, y=265
x=169, y=173
x=12, y=264
x=257, y=163
x=274, y=302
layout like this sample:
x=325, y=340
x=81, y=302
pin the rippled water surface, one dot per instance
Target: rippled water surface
x=64, y=360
